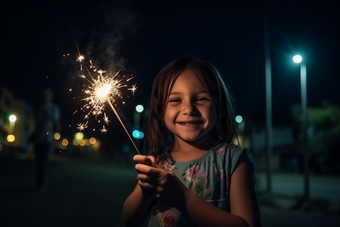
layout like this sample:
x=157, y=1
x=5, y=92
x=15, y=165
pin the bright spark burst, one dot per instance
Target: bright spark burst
x=81, y=126
x=80, y=58
x=102, y=88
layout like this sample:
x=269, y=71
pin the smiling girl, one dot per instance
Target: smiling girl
x=194, y=175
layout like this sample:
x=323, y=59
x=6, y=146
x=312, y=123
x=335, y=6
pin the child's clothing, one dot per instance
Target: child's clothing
x=207, y=176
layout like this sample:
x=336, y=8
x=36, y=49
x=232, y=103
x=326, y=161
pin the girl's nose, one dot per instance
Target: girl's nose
x=189, y=109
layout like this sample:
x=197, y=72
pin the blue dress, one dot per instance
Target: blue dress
x=207, y=176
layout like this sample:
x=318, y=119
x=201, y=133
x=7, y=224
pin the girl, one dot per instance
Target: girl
x=194, y=175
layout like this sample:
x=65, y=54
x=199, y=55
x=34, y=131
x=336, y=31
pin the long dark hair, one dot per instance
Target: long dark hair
x=157, y=137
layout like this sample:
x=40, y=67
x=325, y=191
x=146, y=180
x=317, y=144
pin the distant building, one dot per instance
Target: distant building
x=14, y=135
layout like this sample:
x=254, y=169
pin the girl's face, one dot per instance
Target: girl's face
x=190, y=113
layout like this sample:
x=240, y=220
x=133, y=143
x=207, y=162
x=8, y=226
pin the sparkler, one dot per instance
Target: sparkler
x=102, y=89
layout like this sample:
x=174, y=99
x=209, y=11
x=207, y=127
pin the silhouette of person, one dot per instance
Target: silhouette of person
x=46, y=124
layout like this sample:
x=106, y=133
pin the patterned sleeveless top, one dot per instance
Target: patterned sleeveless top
x=207, y=176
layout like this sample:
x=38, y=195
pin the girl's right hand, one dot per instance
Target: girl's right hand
x=158, y=182
x=143, y=161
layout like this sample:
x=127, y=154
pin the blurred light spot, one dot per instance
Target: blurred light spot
x=12, y=118
x=64, y=142
x=82, y=142
x=79, y=135
x=135, y=134
x=239, y=119
x=139, y=108
x=92, y=140
x=56, y=136
x=75, y=142
x=10, y=138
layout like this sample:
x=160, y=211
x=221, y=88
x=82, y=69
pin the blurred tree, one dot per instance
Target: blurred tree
x=323, y=136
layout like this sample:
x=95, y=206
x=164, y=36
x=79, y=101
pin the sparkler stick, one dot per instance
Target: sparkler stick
x=121, y=122
x=102, y=89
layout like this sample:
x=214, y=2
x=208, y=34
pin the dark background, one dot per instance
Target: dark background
x=143, y=36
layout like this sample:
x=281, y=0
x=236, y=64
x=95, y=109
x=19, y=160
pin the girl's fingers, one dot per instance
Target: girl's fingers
x=148, y=179
x=143, y=159
x=152, y=159
x=140, y=159
x=147, y=170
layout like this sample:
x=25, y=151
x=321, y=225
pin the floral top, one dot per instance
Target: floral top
x=207, y=176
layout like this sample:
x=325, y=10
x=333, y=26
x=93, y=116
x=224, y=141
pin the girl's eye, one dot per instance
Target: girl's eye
x=201, y=99
x=174, y=100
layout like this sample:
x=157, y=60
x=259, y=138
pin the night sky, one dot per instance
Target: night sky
x=143, y=36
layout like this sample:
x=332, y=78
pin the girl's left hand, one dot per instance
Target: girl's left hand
x=159, y=182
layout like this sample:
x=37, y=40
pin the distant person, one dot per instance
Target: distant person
x=197, y=176
x=46, y=124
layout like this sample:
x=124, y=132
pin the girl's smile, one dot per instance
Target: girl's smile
x=190, y=126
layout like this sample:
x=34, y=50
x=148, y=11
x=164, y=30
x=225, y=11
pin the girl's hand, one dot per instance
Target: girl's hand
x=158, y=182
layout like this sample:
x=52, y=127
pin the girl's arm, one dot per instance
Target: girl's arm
x=168, y=189
x=136, y=207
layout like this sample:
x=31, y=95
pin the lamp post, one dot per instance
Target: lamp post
x=268, y=84
x=303, y=81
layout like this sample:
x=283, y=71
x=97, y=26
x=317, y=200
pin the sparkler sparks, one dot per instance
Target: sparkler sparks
x=103, y=130
x=101, y=89
x=81, y=126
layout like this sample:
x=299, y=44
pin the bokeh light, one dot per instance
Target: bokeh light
x=139, y=108
x=64, y=142
x=57, y=136
x=10, y=138
x=92, y=140
x=239, y=119
x=12, y=118
x=79, y=135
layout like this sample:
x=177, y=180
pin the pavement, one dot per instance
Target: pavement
x=91, y=194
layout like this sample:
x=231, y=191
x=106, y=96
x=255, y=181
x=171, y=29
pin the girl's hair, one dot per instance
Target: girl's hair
x=158, y=138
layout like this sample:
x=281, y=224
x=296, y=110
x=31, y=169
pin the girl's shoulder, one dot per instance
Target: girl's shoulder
x=229, y=148
x=231, y=153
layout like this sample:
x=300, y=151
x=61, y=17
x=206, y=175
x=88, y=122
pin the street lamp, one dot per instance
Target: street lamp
x=139, y=108
x=241, y=124
x=12, y=119
x=303, y=81
x=136, y=116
